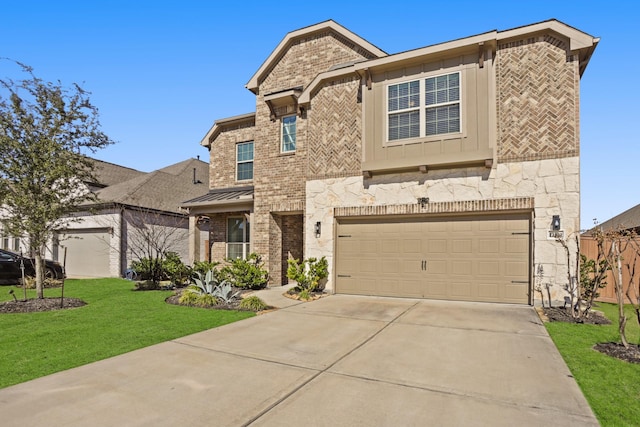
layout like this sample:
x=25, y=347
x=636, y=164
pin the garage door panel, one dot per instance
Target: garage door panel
x=88, y=253
x=482, y=258
x=461, y=290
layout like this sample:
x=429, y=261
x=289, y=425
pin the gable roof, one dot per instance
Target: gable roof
x=163, y=189
x=580, y=43
x=254, y=82
x=626, y=220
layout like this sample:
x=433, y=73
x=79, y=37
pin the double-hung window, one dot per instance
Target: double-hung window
x=424, y=107
x=238, y=243
x=288, y=143
x=244, y=161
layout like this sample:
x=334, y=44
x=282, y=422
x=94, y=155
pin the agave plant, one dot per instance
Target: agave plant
x=205, y=283
x=224, y=291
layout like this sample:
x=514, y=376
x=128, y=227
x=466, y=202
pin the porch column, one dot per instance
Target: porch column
x=194, y=240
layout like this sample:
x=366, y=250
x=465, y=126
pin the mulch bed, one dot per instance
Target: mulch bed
x=559, y=314
x=233, y=305
x=612, y=349
x=35, y=305
x=617, y=350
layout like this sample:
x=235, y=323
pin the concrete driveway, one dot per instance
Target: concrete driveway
x=339, y=361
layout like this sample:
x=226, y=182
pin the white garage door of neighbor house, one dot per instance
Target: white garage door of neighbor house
x=479, y=258
x=87, y=253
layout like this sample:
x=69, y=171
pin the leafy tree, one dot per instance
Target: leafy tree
x=45, y=131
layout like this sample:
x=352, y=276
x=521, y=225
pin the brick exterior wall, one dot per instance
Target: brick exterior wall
x=279, y=179
x=537, y=100
x=335, y=130
x=222, y=156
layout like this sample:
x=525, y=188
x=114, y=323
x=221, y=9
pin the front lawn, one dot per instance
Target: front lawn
x=115, y=320
x=611, y=386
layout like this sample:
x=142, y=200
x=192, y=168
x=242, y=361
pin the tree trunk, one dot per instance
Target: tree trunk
x=622, y=319
x=39, y=274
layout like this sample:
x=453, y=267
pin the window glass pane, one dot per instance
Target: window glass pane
x=404, y=125
x=244, y=159
x=237, y=238
x=444, y=119
x=234, y=250
x=288, y=134
x=245, y=171
x=442, y=89
x=245, y=151
x=16, y=245
x=235, y=230
x=403, y=96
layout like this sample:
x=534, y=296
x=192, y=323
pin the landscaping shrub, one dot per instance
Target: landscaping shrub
x=247, y=273
x=310, y=274
x=253, y=303
x=175, y=270
x=204, y=266
x=169, y=268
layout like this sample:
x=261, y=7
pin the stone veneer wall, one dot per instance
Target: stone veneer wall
x=546, y=187
x=538, y=84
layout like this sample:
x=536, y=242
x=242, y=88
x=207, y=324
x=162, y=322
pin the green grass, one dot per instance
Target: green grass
x=611, y=386
x=115, y=320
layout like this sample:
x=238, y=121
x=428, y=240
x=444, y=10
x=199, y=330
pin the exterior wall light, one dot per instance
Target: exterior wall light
x=318, y=228
x=555, y=223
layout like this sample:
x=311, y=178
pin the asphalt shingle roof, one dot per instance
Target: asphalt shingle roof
x=626, y=220
x=164, y=189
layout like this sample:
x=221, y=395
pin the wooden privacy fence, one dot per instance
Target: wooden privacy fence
x=589, y=248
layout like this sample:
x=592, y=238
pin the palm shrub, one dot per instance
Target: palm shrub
x=247, y=273
x=309, y=274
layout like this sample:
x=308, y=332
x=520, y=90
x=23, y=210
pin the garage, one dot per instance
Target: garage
x=467, y=258
x=88, y=252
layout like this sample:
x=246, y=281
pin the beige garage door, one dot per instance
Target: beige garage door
x=87, y=253
x=456, y=258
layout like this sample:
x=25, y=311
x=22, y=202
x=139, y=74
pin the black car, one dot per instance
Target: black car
x=10, y=272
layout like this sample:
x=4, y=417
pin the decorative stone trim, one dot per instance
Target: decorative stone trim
x=297, y=206
x=540, y=156
x=516, y=203
x=334, y=175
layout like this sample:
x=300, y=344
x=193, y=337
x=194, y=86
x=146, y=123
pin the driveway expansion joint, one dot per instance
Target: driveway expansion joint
x=326, y=369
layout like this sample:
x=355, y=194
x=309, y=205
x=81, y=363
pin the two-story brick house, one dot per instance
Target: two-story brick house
x=441, y=172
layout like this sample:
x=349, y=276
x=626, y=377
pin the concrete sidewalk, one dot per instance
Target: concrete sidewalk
x=338, y=361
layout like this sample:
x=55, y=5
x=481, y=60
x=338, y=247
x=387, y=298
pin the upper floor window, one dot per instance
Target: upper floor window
x=288, y=134
x=244, y=161
x=424, y=107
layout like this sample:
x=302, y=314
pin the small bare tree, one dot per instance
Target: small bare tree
x=572, y=286
x=633, y=290
x=151, y=236
x=620, y=240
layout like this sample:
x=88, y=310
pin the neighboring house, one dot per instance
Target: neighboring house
x=133, y=207
x=446, y=171
x=628, y=220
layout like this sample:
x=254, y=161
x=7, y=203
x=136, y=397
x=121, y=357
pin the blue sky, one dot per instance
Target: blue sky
x=162, y=72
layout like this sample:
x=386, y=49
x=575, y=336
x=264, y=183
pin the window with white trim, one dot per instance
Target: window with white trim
x=244, y=161
x=424, y=107
x=238, y=243
x=288, y=143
